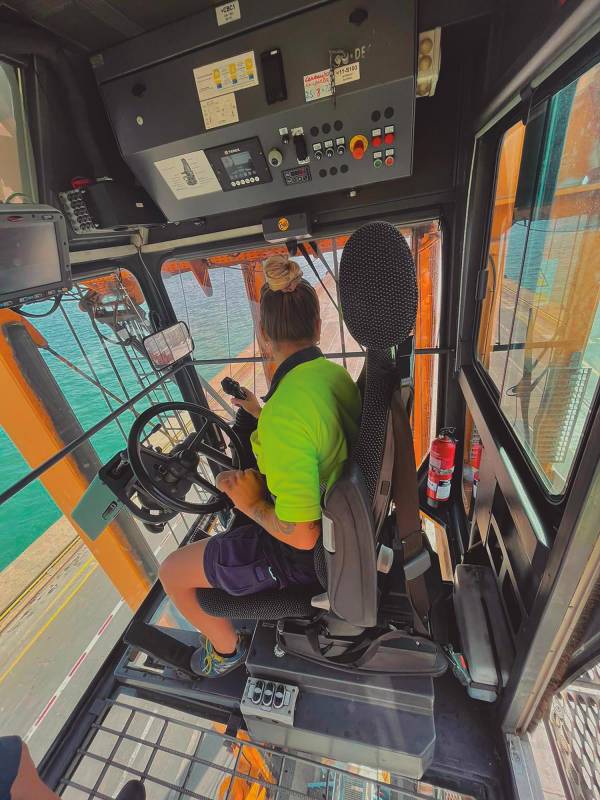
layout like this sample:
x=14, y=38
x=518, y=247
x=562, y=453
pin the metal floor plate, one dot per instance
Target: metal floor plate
x=179, y=755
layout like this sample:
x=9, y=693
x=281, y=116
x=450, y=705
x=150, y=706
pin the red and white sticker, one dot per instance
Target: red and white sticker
x=318, y=84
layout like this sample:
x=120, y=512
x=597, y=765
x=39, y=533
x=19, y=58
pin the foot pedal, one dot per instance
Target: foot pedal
x=458, y=665
x=484, y=634
x=160, y=645
x=269, y=700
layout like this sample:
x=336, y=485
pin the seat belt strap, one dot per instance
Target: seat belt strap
x=409, y=535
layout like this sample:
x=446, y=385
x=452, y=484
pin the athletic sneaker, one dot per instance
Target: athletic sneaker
x=207, y=663
x=133, y=790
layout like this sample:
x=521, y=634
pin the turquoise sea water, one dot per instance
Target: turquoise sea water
x=32, y=511
x=221, y=326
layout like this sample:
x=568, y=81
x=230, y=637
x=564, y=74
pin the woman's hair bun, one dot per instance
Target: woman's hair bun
x=282, y=274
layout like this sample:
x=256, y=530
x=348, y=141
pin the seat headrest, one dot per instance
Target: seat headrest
x=378, y=286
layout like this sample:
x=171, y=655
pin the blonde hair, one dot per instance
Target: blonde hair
x=289, y=306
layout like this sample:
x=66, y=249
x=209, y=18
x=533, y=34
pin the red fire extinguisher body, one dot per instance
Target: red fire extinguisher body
x=441, y=467
x=475, y=462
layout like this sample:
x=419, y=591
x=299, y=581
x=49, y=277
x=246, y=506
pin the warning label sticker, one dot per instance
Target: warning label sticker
x=189, y=175
x=219, y=111
x=224, y=77
x=318, y=84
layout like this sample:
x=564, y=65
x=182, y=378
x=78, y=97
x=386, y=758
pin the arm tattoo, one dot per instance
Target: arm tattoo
x=286, y=528
x=262, y=512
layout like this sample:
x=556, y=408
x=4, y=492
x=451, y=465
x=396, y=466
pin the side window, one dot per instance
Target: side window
x=16, y=162
x=92, y=346
x=539, y=330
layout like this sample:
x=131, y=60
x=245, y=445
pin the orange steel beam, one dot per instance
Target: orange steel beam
x=428, y=255
x=120, y=550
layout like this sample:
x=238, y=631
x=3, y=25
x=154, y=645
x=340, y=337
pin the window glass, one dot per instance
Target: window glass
x=539, y=335
x=16, y=163
x=92, y=346
x=218, y=299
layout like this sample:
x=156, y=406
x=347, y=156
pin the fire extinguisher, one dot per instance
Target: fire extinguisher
x=475, y=460
x=441, y=467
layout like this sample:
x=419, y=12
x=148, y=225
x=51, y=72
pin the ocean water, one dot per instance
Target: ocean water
x=221, y=326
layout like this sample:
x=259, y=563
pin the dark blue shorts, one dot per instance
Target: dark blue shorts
x=248, y=560
x=10, y=760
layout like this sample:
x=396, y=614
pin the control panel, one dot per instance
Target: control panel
x=316, y=102
x=75, y=207
x=264, y=699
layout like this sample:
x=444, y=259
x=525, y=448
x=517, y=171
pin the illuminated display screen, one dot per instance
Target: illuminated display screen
x=238, y=165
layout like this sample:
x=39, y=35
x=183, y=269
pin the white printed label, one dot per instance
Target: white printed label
x=228, y=12
x=318, y=84
x=224, y=77
x=347, y=73
x=219, y=111
x=189, y=175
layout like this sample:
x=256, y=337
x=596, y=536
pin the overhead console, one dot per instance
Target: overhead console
x=213, y=117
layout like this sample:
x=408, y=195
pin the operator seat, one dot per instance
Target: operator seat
x=378, y=293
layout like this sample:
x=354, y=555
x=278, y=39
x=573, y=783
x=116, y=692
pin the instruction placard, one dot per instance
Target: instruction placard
x=219, y=111
x=224, y=77
x=228, y=12
x=318, y=84
x=189, y=175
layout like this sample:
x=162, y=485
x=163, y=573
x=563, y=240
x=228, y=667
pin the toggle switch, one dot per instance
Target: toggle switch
x=301, y=149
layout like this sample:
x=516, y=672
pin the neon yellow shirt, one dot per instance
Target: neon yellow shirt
x=304, y=435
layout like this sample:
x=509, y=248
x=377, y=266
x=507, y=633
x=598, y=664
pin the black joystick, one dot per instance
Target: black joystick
x=233, y=389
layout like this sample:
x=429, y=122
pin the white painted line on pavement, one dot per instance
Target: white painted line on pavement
x=69, y=676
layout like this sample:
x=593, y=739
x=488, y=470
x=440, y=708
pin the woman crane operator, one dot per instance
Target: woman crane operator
x=302, y=439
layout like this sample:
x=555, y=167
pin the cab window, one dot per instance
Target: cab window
x=539, y=330
x=218, y=297
x=16, y=162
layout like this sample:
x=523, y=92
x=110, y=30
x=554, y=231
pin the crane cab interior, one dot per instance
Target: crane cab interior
x=434, y=169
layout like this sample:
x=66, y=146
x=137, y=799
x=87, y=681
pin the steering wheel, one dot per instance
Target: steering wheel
x=167, y=477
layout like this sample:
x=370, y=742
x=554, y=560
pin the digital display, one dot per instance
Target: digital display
x=29, y=257
x=238, y=165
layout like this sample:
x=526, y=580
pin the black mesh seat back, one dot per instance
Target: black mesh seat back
x=378, y=288
x=349, y=545
x=378, y=293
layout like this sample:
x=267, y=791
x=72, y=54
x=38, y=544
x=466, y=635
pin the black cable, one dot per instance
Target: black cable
x=55, y=305
x=309, y=261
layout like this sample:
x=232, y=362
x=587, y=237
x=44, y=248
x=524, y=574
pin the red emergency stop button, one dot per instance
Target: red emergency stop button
x=389, y=138
x=358, y=146
x=358, y=150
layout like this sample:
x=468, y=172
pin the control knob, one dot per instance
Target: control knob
x=341, y=149
x=275, y=157
x=329, y=152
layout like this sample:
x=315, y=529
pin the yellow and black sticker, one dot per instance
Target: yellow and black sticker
x=283, y=223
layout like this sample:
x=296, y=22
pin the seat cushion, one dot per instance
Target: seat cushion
x=270, y=605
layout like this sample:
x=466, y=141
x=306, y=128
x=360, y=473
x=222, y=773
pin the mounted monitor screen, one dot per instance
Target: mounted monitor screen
x=34, y=262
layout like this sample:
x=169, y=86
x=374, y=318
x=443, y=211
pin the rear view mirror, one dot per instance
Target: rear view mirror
x=166, y=347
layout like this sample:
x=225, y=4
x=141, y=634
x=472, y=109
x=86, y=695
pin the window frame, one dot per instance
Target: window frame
x=491, y=140
x=27, y=164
